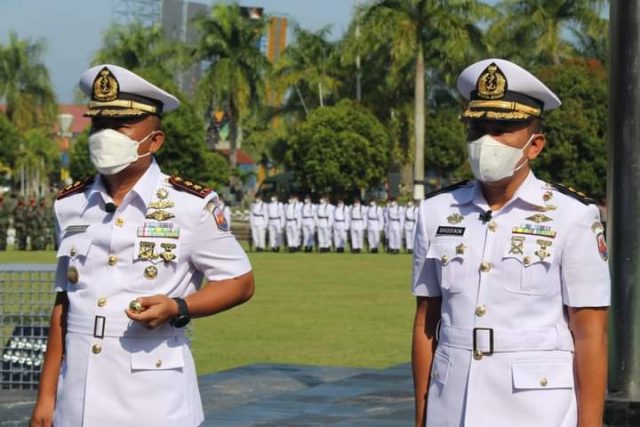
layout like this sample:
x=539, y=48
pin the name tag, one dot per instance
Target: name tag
x=450, y=231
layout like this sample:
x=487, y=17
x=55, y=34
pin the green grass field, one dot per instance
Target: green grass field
x=318, y=309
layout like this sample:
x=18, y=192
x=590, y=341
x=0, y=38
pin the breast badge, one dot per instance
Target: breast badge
x=455, y=218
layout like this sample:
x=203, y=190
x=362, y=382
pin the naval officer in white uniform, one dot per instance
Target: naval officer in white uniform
x=511, y=276
x=134, y=248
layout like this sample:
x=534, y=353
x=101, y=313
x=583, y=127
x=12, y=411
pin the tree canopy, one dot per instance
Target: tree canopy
x=339, y=149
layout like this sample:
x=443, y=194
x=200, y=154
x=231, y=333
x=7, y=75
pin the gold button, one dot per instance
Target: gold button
x=112, y=260
x=526, y=260
x=477, y=355
x=96, y=349
x=444, y=260
x=73, y=251
x=119, y=221
x=492, y=226
x=158, y=363
x=150, y=272
x=544, y=382
x=485, y=267
x=73, y=275
x=481, y=310
x=102, y=301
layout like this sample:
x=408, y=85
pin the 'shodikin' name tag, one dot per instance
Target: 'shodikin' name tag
x=450, y=231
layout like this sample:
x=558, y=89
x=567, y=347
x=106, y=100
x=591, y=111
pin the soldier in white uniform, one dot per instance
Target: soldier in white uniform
x=293, y=225
x=275, y=223
x=514, y=270
x=258, y=223
x=375, y=223
x=134, y=248
x=324, y=222
x=357, y=225
x=308, y=223
x=409, y=213
x=340, y=226
x=393, y=226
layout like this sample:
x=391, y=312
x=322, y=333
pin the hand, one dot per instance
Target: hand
x=42, y=415
x=157, y=310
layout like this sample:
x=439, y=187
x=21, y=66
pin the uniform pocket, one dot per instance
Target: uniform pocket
x=542, y=374
x=155, y=355
x=526, y=266
x=440, y=368
x=76, y=249
x=449, y=259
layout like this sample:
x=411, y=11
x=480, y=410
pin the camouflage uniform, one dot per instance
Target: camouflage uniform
x=20, y=214
x=5, y=215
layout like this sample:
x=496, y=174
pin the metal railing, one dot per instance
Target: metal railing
x=26, y=299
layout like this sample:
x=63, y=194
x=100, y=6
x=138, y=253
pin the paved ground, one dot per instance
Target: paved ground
x=284, y=395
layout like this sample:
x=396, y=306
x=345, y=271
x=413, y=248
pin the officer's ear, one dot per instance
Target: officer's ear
x=157, y=139
x=538, y=141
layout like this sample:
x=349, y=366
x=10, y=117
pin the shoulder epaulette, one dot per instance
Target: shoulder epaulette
x=190, y=186
x=579, y=196
x=76, y=187
x=447, y=189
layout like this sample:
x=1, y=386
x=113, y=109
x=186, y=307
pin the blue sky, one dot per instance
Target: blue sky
x=72, y=29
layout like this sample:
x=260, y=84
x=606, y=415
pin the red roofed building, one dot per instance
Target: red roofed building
x=79, y=123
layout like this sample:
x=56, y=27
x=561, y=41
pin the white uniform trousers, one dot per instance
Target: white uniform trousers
x=409, y=234
x=339, y=234
x=394, y=235
x=373, y=238
x=324, y=234
x=293, y=233
x=275, y=234
x=357, y=233
x=258, y=235
x=308, y=228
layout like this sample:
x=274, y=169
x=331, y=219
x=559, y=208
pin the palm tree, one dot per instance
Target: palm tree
x=143, y=50
x=232, y=81
x=539, y=25
x=439, y=33
x=25, y=85
x=307, y=67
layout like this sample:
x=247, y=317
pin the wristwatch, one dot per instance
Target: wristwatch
x=183, y=318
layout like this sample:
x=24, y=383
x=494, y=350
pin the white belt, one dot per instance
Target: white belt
x=100, y=327
x=489, y=340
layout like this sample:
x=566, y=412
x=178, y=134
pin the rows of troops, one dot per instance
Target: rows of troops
x=304, y=225
x=26, y=223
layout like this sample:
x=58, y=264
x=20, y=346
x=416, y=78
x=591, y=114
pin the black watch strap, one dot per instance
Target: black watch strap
x=183, y=318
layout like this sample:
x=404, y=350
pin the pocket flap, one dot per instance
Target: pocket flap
x=542, y=374
x=74, y=246
x=530, y=253
x=440, y=367
x=446, y=251
x=168, y=354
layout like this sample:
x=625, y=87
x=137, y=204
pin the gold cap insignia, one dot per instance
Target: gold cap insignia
x=105, y=86
x=492, y=83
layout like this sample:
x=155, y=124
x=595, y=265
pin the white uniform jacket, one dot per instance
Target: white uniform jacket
x=357, y=217
x=160, y=240
x=505, y=280
x=259, y=214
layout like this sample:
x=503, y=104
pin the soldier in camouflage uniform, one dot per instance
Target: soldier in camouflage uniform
x=40, y=228
x=5, y=215
x=20, y=224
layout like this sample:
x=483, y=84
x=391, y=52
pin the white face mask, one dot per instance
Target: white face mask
x=492, y=160
x=111, y=151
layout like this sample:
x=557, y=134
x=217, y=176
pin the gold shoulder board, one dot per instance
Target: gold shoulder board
x=76, y=187
x=190, y=186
